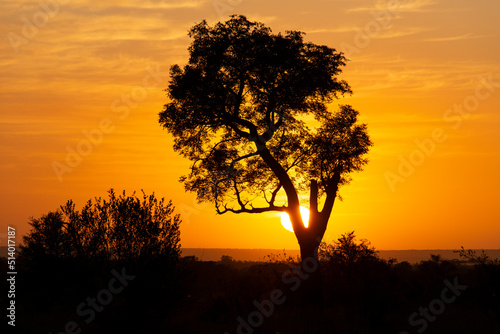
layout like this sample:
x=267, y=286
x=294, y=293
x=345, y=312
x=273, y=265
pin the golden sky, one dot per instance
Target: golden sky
x=82, y=76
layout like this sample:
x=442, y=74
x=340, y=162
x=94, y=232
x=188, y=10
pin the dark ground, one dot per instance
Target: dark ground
x=228, y=296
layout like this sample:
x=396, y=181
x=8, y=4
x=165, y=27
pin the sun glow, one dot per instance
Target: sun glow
x=287, y=224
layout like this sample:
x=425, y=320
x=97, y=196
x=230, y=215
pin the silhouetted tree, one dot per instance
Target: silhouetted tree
x=250, y=111
x=347, y=251
x=470, y=256
x=121, y=228
x=68, y=254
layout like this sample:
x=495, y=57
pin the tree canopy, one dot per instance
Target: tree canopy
x=250, y=110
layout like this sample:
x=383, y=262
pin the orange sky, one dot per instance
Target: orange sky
x=423, y=72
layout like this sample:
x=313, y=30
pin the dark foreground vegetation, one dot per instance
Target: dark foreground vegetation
x=361, y=294
x=98, y=271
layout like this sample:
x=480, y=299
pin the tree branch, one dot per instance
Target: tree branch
x=273, y=195
x=239, y=96
x=296, y=161
x=252, y=210
x=238, y=197
x=281, y=174
x=246, y=156
x=291, y=192
x=313, y=197
x=261, y=140
x=239, y=132
x=332, y=185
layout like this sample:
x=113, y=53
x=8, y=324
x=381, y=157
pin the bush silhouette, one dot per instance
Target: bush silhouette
x=346, y=252
x=69, y=255
x=123, y=228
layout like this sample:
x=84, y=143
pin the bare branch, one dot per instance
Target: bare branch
x=273, y=195
x=246, y=156
x=252, y=210
x=332, y=185
x=238, y=196
x=296, y=161
x=261, y=140
x=239, y=97
x=281, y=174
x=313, y=197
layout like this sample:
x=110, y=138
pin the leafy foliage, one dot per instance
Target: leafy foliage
x=347, y=251
x=470, y=256
x=121, y=228
x=241, y=110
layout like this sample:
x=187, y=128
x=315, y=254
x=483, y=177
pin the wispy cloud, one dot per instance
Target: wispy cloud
x=416, y=5
x=451, y=38
x=395, y=33
x=148, y=4
x=404, y=6
x=417, y=78
x=341, y=29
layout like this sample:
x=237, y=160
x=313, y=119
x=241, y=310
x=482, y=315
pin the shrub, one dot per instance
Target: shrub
x=123, y=228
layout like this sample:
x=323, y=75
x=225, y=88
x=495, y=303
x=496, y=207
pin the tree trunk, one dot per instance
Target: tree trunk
x=309, y=250
x=312, y=290
x=310, y=237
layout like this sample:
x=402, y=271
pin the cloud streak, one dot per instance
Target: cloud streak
x=451, y=38
x=411, y=6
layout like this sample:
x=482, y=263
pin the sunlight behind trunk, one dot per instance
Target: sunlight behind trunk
x=287, y=224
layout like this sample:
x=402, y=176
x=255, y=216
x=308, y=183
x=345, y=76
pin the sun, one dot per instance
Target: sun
x=287, y=224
